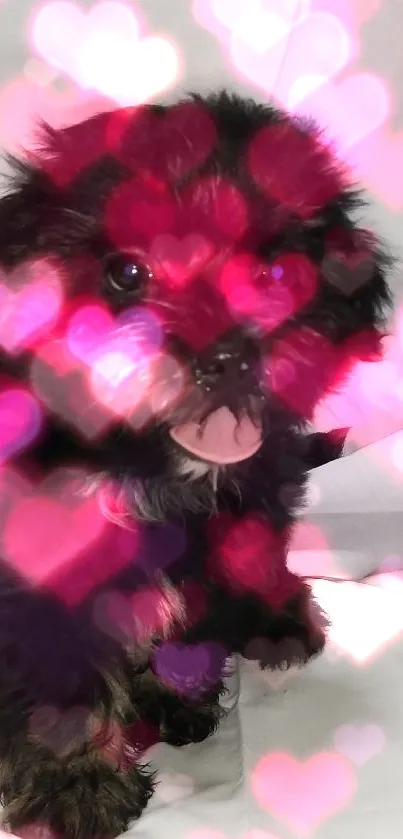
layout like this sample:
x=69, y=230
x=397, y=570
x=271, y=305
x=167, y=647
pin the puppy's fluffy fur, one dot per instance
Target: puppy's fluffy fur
x=210, y=540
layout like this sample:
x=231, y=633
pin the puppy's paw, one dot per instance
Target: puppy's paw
x=291, y=637
x=182, y=723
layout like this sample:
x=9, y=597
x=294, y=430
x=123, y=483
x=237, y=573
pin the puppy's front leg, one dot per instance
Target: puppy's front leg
x=261, y=609
x=76, y=787
x=68, y=762
x=277, y=631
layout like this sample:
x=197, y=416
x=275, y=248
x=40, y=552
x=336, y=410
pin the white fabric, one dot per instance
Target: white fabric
x=335, y=728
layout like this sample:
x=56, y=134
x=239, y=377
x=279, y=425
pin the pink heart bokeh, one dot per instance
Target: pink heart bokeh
x=118, y=353
x=273, y=44
x=24, y=101
x=293, y=52
x=303, y=795
x=56, y=537
x=181, y=259
x=348, y=110
x=359, y=743
x=27, y=312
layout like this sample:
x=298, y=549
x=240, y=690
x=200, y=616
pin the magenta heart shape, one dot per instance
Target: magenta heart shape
x=303, y=795
x=181, y=259
x=20, y=421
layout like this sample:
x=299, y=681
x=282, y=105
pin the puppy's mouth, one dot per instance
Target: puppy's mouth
x=221, y=438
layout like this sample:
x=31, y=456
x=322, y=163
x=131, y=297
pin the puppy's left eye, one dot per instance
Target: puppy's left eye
x=127, y=274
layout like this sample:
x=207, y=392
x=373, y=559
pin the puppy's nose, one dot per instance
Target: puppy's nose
x=230, y=362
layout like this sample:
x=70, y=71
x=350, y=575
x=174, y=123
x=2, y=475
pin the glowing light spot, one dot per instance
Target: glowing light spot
x=119, y=382
x=381, y=617
x=260, y=28
x=92, y=331
x=114, y=367
x=302, y=87
x=85, y=331
x=119, y=353
x=101, y=50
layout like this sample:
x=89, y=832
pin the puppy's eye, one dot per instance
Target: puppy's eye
x=127, y=274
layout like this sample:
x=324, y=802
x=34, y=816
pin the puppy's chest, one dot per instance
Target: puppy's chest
x=189, y=548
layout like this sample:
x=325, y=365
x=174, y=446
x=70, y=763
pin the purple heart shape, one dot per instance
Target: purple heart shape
x=191, y=669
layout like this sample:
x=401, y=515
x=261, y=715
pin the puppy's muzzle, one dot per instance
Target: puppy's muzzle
x=233, y=363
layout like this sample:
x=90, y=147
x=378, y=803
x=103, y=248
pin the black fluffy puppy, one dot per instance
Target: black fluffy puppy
x=218, y=237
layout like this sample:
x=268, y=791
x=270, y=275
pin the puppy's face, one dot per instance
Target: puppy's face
x=214, y=284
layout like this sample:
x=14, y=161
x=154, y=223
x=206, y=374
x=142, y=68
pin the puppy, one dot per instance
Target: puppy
x=181, y=286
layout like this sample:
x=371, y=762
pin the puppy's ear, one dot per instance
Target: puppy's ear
x=28, y=205
x=324, y=446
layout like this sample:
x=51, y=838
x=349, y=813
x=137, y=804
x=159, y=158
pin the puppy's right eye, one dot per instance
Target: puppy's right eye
x=127, y=275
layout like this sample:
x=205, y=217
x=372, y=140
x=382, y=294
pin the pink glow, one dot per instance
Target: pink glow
x=359, y=743
x=69, y=536
x=350, y=110
x=303, y=795
x=29, y=311
x=20, y=421
x=119, y=354
x=58, y=535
